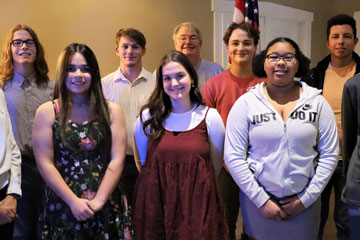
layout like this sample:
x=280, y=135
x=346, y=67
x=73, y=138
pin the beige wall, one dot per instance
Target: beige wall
x=60, y=22
x=93, y=22
x=345, y=6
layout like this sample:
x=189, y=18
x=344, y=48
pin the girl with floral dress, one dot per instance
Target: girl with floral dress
x=79, y=142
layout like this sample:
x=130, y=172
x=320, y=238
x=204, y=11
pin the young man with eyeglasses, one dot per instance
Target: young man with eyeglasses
x=330, y=75
x=24, y=79
x=221, y=92
x=187, y=39
x=130, y=86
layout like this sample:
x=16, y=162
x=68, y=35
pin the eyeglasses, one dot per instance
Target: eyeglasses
x=287, y=57
x=191, y=38
x=19, y=42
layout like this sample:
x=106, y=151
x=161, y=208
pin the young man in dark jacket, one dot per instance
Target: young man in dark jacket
x=330, y=75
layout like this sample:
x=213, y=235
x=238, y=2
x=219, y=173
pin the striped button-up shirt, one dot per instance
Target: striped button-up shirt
x=23, y=97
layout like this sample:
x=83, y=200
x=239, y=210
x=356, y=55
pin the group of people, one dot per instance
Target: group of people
x=173, y=154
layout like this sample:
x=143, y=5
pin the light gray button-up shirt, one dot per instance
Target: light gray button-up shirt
x=23, y=97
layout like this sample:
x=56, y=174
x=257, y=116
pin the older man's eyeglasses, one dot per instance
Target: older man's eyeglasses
x=191, y=38
x=287, y=57
x=19, y=42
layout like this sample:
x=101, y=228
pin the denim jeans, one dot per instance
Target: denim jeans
x=31, y=205
x=354, y=222
x=341, y=215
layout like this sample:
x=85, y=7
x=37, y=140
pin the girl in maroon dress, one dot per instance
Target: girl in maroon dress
x=179, y=142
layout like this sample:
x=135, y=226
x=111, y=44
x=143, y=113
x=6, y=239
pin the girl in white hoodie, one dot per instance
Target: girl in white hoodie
x=281, y=147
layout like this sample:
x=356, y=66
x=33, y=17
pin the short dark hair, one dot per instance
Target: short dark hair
x=341, y=19
x=252, y=32
x=133, y=34
x=258, y=62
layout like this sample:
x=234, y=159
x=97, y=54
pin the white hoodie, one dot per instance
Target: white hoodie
x=267, y=155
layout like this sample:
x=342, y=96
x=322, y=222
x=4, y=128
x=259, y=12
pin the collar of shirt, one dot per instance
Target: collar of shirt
x=350, y=65
x=198, y=64
x=119, y=76
x=19, y=79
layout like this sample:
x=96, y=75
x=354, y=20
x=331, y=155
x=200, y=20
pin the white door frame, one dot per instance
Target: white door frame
x=357, y=19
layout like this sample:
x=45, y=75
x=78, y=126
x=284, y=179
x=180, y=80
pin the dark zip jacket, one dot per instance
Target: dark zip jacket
x=315, y=77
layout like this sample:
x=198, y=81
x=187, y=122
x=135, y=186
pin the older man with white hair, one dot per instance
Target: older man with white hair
x=188, y=40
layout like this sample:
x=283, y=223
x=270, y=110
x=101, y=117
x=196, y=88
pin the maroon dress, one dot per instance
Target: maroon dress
x=177, y=195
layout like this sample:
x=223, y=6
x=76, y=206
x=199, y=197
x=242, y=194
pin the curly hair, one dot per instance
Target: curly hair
x=258, y=62
x=159, y=103
x=98, y=108
x=245, y=26
x=6, y=61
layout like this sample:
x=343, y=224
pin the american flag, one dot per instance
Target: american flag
x=247, y=10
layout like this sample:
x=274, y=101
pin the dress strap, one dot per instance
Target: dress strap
x=206, y=112
x=56, y=108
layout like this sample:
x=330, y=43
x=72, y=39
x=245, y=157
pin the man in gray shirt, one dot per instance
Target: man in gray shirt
x=188, y=40
x=23, y=76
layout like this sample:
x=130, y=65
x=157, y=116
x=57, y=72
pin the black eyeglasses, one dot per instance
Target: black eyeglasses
x=287, y=57
x=19, y=42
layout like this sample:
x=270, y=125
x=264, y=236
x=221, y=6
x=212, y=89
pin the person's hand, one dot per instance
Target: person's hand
x=8, y=209
x=271, y=210
x=10, y=202
x=4, y=216
x=80, y=209
x=292, y=206
x=95, y=205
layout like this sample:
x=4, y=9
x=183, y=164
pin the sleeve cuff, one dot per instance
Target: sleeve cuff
x=261, y=199
x=14, y=188
x=305, y=199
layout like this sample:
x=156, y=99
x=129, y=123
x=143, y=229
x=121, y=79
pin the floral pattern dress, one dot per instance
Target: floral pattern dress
x=82, y=167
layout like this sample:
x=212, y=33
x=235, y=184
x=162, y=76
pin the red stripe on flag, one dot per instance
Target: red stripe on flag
x=240, y=4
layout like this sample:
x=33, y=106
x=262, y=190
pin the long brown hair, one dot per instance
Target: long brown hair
x=6, y=61
x=159, y=103
x=98, y=108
